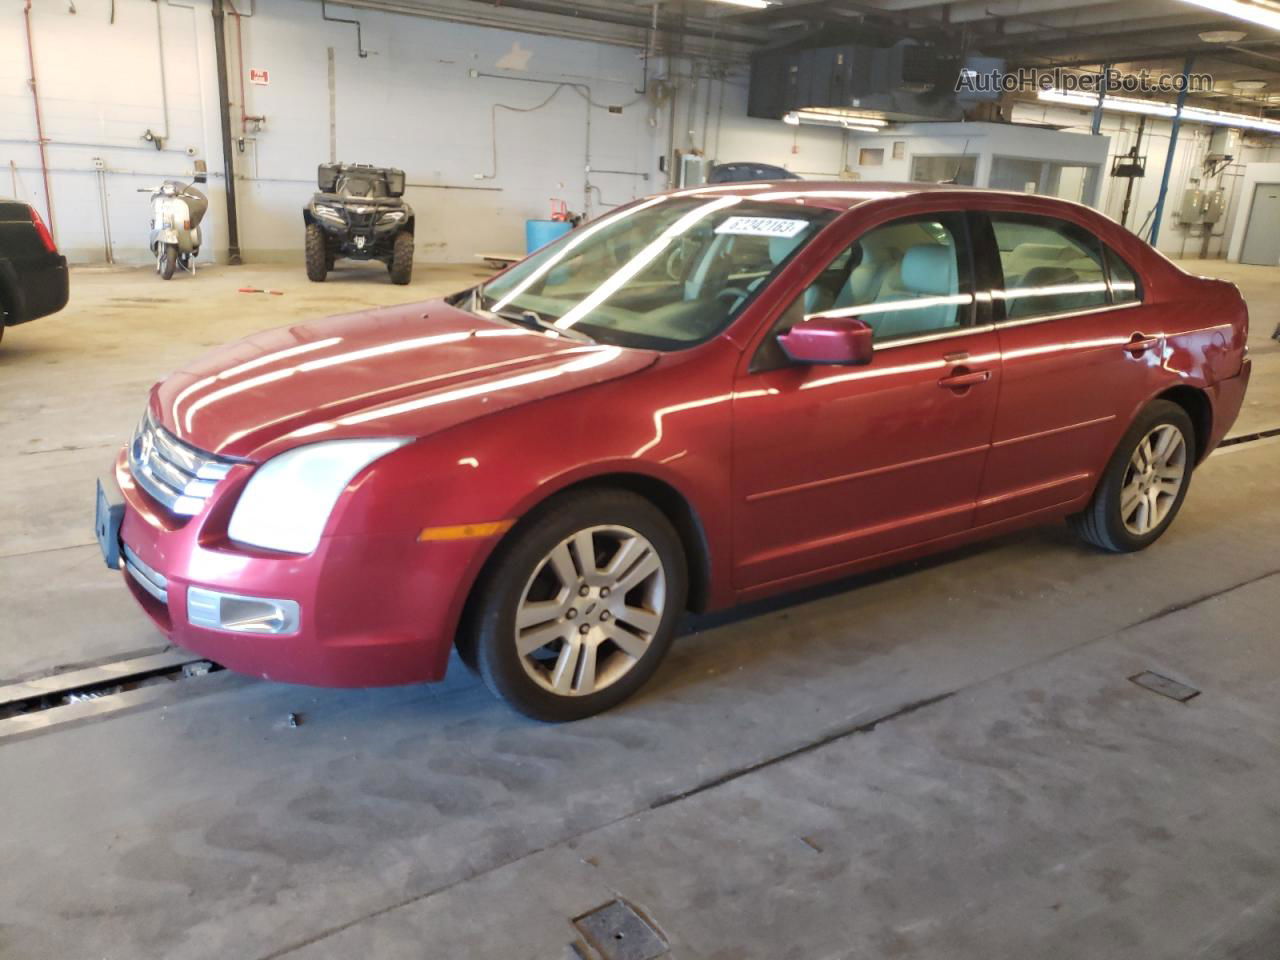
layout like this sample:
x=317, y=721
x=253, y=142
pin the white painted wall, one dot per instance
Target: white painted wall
x=1176, y=239
x=418, y=101
x=413, y=102
x=100, y=89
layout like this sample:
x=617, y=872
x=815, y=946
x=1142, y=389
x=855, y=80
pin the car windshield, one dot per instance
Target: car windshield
x=666, y=273
x=361, y=187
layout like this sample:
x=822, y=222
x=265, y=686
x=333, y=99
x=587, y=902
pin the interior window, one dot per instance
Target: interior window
x=957, y=168
x=1050, y=266
x=1124, y=282
x=905, y=278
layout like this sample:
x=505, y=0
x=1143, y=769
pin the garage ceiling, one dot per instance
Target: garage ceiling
x=1155, y=35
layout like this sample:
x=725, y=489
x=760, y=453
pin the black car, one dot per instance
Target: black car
x=33, y=275
x=359, y=213
x=746, y=172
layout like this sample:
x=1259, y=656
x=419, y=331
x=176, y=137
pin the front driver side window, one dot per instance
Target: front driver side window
x=905, y=278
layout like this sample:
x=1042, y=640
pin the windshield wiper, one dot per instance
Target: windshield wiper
x=535, y=321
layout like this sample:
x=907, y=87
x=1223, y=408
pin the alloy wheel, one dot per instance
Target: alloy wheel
x=590, y=611
x=1157, y=470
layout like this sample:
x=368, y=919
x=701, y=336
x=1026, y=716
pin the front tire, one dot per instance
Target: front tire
x=1143, y=486
x=168, y=260
x=317, y=254
x=580, y=606
x=401, y=265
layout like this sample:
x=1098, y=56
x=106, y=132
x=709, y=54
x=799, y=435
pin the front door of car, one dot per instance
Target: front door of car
x=1080, y=353
x=834, y=465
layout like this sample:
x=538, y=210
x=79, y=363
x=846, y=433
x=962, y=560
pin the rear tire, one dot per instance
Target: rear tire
x=317, y=254
x=168, y=260
x=1144, y=484
x=605, y=624
x=401, y=266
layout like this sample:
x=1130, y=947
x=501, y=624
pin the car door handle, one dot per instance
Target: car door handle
x=967, y=378
x=1140, y=343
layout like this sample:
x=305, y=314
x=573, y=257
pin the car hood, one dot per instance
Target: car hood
x=401, y=371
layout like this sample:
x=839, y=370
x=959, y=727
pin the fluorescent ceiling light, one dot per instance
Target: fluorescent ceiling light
x=1152, y=108
x=1218, y=118
x=834, y=116
x=753, y=4
x=1223, y=36
x=1249, y=84
x=846, y=121
x=1265, y=16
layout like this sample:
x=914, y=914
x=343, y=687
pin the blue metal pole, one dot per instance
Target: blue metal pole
x=1097, y=111
x=1168, y=160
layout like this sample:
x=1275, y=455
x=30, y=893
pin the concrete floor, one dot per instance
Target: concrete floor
x=945, y=760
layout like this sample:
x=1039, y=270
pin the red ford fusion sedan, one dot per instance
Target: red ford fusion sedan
x=702, y=398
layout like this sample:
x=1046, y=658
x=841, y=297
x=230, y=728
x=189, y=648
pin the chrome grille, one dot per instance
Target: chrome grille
x=175, y=473
x=147, y=578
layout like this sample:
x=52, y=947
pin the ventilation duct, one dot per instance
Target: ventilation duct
x=906, y=81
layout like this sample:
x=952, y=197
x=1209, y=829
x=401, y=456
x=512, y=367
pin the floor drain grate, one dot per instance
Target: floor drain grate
x=1158, y=683
x=617, y=932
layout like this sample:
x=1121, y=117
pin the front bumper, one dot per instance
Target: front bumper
x=371, y=610
x=360, y=240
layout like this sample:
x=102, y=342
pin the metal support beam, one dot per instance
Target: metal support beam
x=1168, y=159
x=1102, y=92
x=224, y=110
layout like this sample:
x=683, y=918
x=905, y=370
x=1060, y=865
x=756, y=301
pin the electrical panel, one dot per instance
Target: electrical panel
x=693, y=170
x=1224, y=142
x=1201, y=206
x=1214, y=205
x=1191, y=209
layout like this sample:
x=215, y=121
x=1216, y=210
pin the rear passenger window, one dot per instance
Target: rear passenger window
x=1124, y=282
x=1050, y=266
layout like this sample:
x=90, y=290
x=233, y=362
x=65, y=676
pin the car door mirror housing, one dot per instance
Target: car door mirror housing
x=842, y=341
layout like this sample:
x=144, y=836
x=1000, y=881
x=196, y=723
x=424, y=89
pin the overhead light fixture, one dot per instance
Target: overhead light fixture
x=1155, y=108
x=753, y=4
x=1252, y=12
x=1249, y=84
x=1223, y=36
x=1152, y=108
x=833, y=118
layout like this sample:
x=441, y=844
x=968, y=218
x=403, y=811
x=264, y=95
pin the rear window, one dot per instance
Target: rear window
x=1050, y=266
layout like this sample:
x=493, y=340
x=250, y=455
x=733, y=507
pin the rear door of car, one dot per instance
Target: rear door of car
x=834, y=465
x=1079, y=348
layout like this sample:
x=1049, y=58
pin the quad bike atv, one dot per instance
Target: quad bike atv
x=360, y=214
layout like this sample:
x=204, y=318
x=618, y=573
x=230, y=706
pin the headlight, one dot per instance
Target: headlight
x=391, y=216
x=328, y=212
x=289, y=498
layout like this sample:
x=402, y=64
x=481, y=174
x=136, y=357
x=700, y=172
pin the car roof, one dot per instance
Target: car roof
x=843, y=195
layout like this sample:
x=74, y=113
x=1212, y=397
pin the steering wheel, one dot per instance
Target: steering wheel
x=737, y=293
x=675, y=263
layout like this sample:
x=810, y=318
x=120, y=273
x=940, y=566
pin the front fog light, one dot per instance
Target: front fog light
x=228, y=611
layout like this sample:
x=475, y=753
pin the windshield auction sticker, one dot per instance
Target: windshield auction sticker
x=762, y=227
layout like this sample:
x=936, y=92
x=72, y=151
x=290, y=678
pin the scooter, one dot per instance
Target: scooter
x=176, y=212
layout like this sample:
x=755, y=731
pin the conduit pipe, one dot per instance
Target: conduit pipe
x=224, y=114
x=40, y=140
x=163, y=138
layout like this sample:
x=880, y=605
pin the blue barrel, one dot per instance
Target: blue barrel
x=538, y=233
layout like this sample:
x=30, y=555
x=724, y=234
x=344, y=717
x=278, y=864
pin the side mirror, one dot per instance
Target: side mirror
x=202, y=172
x=845, y=341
